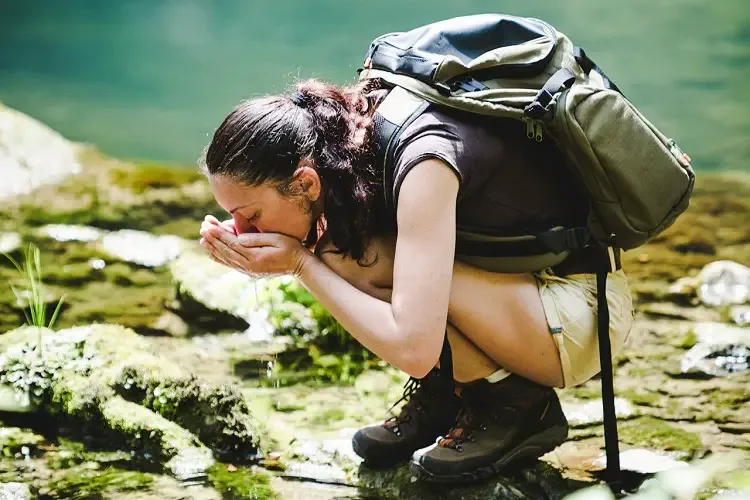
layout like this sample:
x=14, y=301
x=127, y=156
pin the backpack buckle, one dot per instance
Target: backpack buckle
x=540, y=106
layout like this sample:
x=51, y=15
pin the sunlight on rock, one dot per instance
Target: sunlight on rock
x=724, y=282
x=142, y=248
x=9, y=242
x=68, y=232
x=590, y=413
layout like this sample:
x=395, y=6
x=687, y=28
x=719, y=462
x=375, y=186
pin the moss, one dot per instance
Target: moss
x=586, y=391
x=240, y=482
x=13, y=440
x=645, y=398
x=122, y=274
x=145, y=431
x=329, y=416
x=74, y=274
x=100, y=302
x=726, y=398
x=148, y=176
x=688, y=341
x=654, y=433
x=87, y=482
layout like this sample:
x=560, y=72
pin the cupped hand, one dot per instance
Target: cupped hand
x=255, y=254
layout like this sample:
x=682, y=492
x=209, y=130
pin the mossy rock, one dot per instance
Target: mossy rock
x=649, y=432
x=240, y=482
x=106, y=378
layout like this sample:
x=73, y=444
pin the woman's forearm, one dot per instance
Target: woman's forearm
x=370, y=320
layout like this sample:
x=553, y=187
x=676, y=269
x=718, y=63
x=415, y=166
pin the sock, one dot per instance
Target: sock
x=499, y=375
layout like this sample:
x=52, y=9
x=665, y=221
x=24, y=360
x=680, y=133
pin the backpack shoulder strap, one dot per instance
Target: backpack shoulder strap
x=397, y=111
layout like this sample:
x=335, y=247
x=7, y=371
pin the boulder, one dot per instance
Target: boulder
x=724, y=282
x=107, y=381
x=32, y=154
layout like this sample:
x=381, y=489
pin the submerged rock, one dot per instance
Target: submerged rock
x=720, y=350
x=106, y=380
x=740, y=315
x=723, y=283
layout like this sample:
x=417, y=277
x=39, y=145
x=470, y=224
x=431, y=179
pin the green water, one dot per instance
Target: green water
x=151, y=79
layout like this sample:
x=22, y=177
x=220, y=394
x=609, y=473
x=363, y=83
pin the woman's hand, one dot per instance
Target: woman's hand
x=255, y=254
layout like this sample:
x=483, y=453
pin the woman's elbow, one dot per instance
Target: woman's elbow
x=419, y=361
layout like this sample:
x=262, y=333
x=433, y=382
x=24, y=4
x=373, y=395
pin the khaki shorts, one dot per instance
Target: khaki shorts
x=570, y=306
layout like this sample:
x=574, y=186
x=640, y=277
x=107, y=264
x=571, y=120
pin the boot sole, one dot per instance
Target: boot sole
x=533, y=447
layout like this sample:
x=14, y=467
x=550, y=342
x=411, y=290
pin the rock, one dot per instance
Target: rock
x=740, y=315
x=32, y=154
x=14, y=491
x=105, y=379
x=591, y=413
x=68, y=232
x=9, y=243
x=216, y=297
x=642, y=461
x=17, y=441
x=667, y=310
x=683, y=290
x=724, y=282
x=721, y=350
x=142, y=248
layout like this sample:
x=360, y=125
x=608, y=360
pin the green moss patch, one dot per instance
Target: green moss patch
x=653, y=433
x=88, y=481
x=240, y=482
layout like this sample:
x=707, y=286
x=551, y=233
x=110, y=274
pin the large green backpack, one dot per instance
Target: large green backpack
x=638, y=180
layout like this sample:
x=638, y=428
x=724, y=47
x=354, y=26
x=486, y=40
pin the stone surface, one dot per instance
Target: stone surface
x=14, y=491
x=724, y=282
x=9, y=242
x=107, y=375
x=24, y=162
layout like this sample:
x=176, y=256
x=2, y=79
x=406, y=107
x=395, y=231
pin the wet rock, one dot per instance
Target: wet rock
x=14, y=491
x=106, y=379
x=142, y=248
x=724, y=282
x=591, y=413
x=9, y=243
x=69, y=232
x=740, y=315
x=32, y=154
x=16, y=441
x=216, y=297
x=720, y=350
x=642, y=461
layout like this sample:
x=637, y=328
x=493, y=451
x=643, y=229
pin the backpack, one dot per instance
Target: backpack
x=638, y=180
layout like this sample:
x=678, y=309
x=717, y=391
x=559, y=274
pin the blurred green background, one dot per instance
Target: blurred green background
x=151, y=79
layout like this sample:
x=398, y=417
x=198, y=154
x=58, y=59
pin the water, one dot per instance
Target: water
x=148, y=79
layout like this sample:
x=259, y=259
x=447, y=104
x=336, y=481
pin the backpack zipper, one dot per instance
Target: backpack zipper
x=534, y=129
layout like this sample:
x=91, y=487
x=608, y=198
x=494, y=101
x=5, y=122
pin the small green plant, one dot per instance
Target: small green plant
x=31, y=274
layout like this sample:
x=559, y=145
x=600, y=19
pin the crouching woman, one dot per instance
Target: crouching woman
x=298, y=175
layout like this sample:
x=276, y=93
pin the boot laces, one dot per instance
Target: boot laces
x=414, y=399
x=474, y=416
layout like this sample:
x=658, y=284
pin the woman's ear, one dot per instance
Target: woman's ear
x=307, y=181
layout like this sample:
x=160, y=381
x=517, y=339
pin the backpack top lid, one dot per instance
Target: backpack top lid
x=483, y=45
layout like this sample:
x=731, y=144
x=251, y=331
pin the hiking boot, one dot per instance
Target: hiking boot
x=430, y=411
x=499, y=423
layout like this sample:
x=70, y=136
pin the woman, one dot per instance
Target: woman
x=297, y=175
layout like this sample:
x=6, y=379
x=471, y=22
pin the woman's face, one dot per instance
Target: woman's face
x=261, y=209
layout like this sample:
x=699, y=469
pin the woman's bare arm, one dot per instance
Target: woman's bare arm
x=408, y=332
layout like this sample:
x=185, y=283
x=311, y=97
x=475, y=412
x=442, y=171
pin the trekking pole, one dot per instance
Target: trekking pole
x=611, y=443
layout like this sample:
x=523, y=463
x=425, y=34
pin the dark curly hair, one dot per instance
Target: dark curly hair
x=265, y=139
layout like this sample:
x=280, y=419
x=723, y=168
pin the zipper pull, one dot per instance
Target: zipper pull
x=538, y=131
x=530, y=128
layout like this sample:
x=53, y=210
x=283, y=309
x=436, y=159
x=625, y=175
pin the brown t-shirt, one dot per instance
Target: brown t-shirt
x=508, y=183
